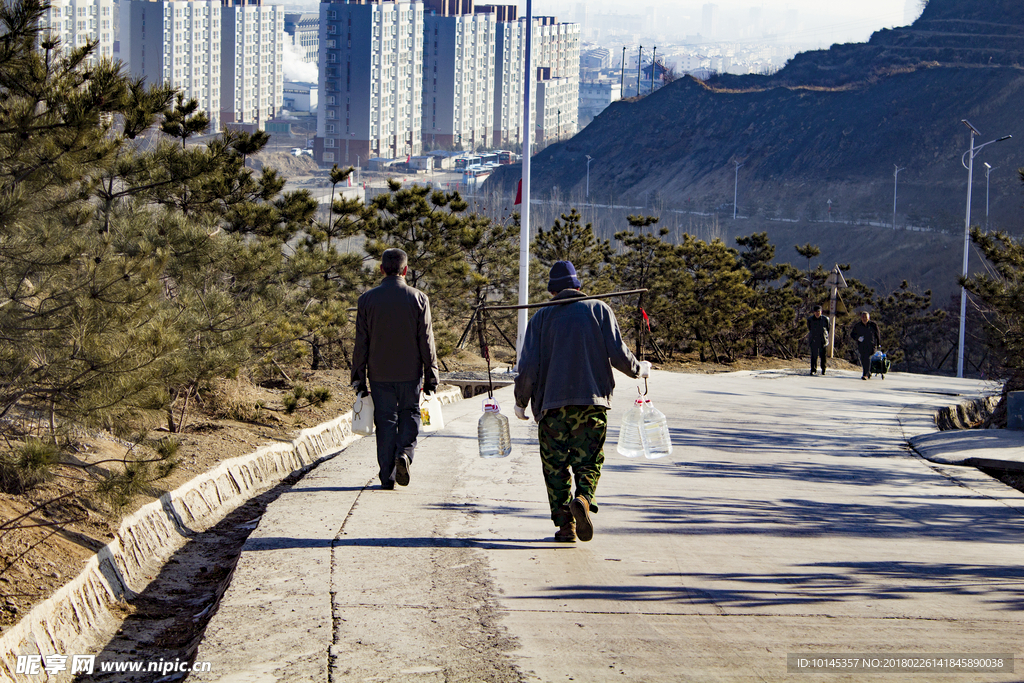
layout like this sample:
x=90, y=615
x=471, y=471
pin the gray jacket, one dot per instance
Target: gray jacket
x=568, y=356
x=394, y=335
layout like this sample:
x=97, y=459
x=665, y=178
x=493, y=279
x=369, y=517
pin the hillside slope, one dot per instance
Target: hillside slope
x=831, y=125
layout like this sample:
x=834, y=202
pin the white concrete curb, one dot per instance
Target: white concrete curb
x=64, y=623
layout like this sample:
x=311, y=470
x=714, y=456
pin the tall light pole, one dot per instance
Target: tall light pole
x=524, y=222
x=969, y=165
x=589, y=159
x=735, y=188
x=988, y=172
x=895, y=179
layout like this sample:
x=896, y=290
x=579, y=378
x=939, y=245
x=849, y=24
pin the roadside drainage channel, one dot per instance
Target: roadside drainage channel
x=67, y=621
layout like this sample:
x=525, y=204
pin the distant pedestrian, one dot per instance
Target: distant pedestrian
x=817, y=338
x=865, y=333
x=394, y=351
x=565, y=372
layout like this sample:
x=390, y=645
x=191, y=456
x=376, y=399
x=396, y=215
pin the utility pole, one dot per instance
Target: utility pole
x=622, y=74
x=654, y=65
x=639, y=62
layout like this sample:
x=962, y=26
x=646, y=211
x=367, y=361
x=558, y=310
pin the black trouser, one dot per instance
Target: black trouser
x=818, y=351
x=866, y=351
x=396, y=420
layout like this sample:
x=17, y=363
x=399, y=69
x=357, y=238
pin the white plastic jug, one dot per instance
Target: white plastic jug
x=431, y=417
x=362, y=416
x=492, y=432
x=654, y=432
x=630, y=444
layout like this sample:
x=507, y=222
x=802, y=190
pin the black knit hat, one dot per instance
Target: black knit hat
x=563, y=276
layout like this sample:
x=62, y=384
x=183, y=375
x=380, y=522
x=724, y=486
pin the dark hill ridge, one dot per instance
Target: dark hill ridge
x=830, y=125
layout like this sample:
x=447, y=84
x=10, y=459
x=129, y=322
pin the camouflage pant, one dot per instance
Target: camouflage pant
x=572, y=436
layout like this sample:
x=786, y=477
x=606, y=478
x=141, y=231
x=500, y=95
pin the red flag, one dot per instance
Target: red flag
x=647, y=320
x=519, y=193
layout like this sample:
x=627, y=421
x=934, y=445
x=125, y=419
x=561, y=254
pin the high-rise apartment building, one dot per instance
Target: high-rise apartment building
x=459, y=77
x=556, y=55
x=557, y=108
x=709, y=25
x=510, y=63
x=371, y=80
x=75, y=22
x=303, y=30
x=176, y=42
x=252, y=61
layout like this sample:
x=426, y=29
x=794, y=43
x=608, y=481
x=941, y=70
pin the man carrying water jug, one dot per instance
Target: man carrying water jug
x=566, y=372
x=394, y=350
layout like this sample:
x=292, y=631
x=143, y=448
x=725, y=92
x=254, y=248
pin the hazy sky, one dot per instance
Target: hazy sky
x=819, y=21
x=825, y=22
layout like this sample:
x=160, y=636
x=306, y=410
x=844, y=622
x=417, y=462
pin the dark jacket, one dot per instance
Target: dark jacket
x=868, y=331
x=394, y=335
x=817, y=330
x=568, y=355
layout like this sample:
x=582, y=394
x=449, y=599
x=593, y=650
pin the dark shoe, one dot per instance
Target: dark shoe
x=823, y=371
x=864, y=377
x=580, y=509
x=402, y=470
x=387, y=486
x=566, y=533
x=813, y=372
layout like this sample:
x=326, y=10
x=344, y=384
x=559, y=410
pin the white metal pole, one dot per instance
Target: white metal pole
x=589, y=159
x=895, y=180
x=988, y=172
x=967, y=242
x=524, y=209
x=735, y=188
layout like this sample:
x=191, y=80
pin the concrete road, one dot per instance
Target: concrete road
x=790, y=519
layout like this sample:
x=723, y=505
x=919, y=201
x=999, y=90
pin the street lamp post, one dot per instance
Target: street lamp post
x=988, y=172
x=895, y=179
x=969, y=165
x=735, y=188
x=589, y=159
x=524, y=223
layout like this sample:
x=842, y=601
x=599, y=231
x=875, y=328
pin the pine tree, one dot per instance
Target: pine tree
x=717, y=307
x=774, y=301
x=908, y=325
x=643, y=256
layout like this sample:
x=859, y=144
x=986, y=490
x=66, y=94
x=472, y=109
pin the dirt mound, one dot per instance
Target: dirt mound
x=285, y=163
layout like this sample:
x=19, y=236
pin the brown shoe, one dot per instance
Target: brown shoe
x=566, y=533
x=580, y=508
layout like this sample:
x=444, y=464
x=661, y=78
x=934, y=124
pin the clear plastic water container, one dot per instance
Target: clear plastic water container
x=644, y=432
x=654, y=433
x=630, y=444
x=492, y=432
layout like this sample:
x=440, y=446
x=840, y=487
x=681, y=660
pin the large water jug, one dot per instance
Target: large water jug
x=654, y=432
x=492, y=432
x=630, y=444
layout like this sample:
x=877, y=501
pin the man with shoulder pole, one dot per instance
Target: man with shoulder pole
x=394, y=352
x=565, y=373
